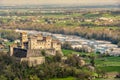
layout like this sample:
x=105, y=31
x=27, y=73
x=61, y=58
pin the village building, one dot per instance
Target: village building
x=115, y=52
x=78, y=46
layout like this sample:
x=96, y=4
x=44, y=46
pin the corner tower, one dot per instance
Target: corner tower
x=32, y=42
x=23, y=39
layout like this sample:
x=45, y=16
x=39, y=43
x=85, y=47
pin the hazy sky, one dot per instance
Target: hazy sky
x=81, y=2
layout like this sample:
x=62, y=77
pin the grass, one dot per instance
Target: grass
x=8, y=43
x=107, y=79
x=110, y=68
x=67, y=23
x=108, y=64
x=72, y=78
x=69, y=78
x=76, y=15
x=108, y=61
x=67, y=52
x=89, y=15
x=53, y=15
x=60, y=15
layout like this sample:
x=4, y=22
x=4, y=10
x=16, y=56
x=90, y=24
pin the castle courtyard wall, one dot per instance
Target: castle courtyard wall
x=33, y=61
x=18, y=52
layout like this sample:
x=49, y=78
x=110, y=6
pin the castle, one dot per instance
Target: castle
x=34, y=48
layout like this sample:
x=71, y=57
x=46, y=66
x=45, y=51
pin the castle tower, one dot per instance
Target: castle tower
x=48, y=39
x=39, y=37
x=56, y=45
x=32, y=42
x=23, y=39
x=11, y=49
x=48, y=42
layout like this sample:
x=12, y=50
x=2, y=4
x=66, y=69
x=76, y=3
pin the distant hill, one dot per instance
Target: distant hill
x=56, y=6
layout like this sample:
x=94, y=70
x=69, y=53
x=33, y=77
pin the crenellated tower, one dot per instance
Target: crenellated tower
x=48, y=42
x=32, y=42
x=23, y=39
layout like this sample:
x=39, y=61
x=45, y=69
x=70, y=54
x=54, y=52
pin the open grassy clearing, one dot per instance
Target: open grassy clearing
x=108, y=64
x=67, y=52
x=108, y=61
x=107, y=79
x=55, y=15
x=110, y=68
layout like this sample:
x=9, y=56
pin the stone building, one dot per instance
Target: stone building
x=34, y=48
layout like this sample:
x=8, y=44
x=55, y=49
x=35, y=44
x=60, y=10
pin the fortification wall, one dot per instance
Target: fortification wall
x=34, y=53
x=50, y=52
x=33, y=61
x=17, y=52
x=56, y=46
x=40, y=45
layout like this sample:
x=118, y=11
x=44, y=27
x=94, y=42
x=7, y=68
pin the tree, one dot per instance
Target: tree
x=16, y=78
x=92, y=59
x=34, y=77
x=57, y=57
x=2, y=77
x=66, y=45
x=84, y=75
x=75, y=60
x=1, y=41
x=43, y=52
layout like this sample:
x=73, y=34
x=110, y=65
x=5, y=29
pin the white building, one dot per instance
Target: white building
x=115, y=52
x=76, y=46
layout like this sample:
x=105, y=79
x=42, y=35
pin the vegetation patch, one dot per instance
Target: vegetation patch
x=68, y=78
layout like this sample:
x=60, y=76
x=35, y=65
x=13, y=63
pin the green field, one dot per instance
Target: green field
x=107, y=79
x=108, y=64
x=67, y=52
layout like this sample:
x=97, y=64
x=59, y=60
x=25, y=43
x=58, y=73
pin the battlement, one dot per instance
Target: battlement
x=38, y=41
x=41, y=42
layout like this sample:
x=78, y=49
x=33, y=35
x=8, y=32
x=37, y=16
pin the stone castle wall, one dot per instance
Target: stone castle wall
x=23, y=39
x=34, y=53
x=41, y=42
x=33, y=61
x=17, y=52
